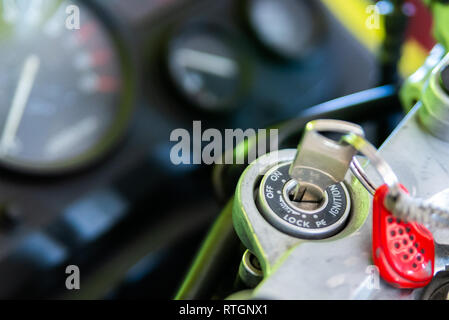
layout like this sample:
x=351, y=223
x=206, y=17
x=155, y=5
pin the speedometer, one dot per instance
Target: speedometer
x=65, y=85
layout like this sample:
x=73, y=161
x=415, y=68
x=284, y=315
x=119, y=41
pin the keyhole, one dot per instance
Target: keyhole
x=306, y=196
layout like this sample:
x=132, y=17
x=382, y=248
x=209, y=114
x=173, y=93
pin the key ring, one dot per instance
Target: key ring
x=360, y=174
x=382, y=167
x=400, y=203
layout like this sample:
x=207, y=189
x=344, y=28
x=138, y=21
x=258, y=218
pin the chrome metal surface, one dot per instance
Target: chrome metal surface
x=249, y=272
x=434, y=114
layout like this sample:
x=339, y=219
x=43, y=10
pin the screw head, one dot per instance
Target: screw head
x=444, y=78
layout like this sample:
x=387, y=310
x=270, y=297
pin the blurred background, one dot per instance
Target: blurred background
x=86, y=112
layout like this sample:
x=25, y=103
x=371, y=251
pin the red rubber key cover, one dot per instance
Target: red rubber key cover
x=403, y=252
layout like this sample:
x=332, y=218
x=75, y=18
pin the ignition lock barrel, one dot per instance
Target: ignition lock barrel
x=306, y=219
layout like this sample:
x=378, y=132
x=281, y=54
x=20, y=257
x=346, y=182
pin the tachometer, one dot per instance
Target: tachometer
x=65, y=86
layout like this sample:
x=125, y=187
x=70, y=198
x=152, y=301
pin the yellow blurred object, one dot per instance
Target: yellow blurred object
x=413, y=56
x=356, y=15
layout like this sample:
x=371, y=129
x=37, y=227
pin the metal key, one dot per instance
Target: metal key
x=323, y=154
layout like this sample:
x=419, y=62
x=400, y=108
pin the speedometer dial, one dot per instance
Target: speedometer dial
x=206, y=67
x=64, y=88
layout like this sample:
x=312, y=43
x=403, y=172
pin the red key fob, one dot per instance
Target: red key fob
x=403, y=252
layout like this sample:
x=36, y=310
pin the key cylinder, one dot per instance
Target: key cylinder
x=316, y=218
x=302, y=192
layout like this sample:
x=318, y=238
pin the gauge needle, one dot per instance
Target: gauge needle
x=207, y=62
x=19, y=102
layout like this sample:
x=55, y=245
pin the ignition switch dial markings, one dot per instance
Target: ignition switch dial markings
x=326, y=219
